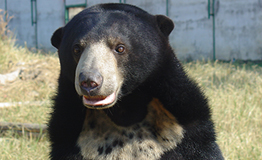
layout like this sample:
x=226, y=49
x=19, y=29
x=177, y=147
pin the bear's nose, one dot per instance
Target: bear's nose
x=90, y=81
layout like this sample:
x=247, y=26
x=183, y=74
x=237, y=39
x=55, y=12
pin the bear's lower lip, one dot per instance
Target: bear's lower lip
x=99, y=102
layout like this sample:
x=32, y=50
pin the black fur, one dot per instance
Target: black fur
x=152, y=71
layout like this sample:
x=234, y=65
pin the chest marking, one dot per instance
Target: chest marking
x=149, y=139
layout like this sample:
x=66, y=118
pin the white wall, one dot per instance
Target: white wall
x=50, y=15
x=239, y=29
x=238, y=25
x=192, y=36
x=20, y=23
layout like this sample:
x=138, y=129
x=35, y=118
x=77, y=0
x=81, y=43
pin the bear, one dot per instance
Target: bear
x=123, y=94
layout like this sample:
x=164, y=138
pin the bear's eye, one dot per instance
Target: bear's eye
x=120, y=49
x=77, y=49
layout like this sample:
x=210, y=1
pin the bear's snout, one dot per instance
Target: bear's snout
x=98, y=78
x=90, y=82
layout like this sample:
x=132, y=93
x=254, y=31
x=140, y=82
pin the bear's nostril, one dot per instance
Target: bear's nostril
x=93, y=84
x=84, y=84
x=90, y=82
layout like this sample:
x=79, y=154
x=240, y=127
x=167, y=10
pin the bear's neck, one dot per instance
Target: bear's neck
x=179, y=94
x=130, y=109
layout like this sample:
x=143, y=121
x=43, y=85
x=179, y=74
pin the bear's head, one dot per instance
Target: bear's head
x=109, y=50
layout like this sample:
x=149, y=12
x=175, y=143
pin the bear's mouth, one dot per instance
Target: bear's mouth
x=99, y=102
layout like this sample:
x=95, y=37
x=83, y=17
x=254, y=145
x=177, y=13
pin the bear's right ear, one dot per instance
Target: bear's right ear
x=165, y=24
x=57, y=37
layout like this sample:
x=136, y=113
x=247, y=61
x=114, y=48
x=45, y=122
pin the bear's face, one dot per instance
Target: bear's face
x=108, y=52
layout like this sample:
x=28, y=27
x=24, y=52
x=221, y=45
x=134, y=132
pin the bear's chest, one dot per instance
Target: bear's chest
x=149, y=139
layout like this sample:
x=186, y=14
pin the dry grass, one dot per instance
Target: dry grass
x=4, y=20
x=234, y=91
x=21, y=148
x=37, y=82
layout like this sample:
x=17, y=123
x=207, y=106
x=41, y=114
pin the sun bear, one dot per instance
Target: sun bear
x=122, y=92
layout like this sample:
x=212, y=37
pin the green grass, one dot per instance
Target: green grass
x=234, y=92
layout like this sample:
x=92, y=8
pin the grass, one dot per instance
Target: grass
x=37, y=82
x=234, y=91
x=21, y=148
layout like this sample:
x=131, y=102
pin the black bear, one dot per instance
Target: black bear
x=122, y=92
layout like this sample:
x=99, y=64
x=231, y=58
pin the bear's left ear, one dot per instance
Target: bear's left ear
x=165, y=24
x=57, y=37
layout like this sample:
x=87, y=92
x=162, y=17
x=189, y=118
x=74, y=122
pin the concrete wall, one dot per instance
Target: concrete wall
x=50, y=15
x=238, y=25
x=239, y=29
